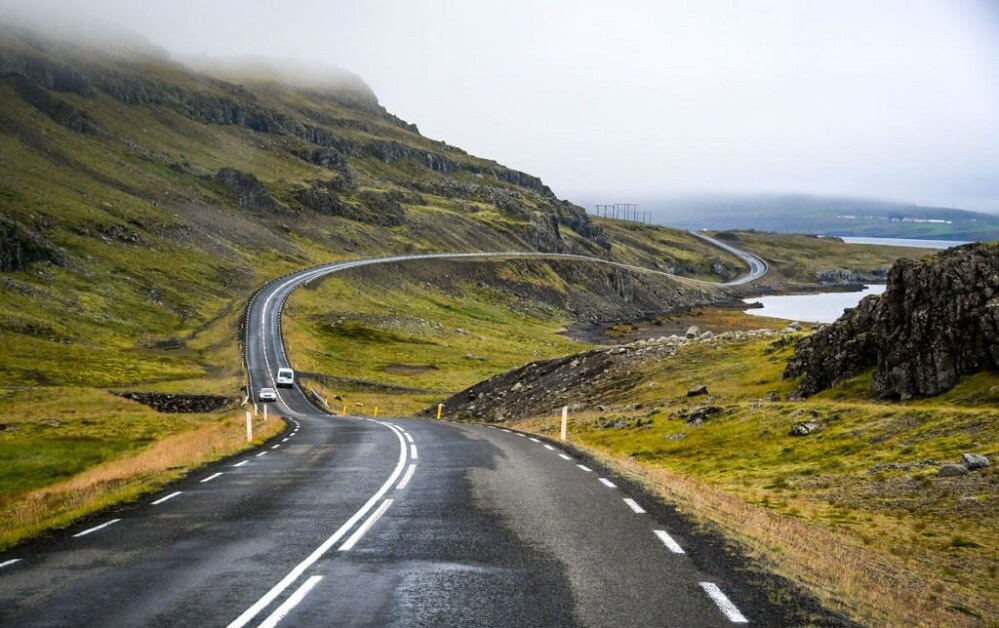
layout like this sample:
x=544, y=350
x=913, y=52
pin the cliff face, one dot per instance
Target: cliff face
x=937, y=320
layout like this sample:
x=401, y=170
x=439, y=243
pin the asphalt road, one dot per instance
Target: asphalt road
x=362, y=522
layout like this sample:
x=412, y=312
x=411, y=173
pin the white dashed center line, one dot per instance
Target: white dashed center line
x=8, y=563
x=163, y=499
x=409, y=437
x=669, y=542
x=239, y=464
x=585, y=468
x=634, y=505
x=96, y=528
x=607, y=483
x=211, y=477
x=263, y=453
x=412, y=452
x=724, y=604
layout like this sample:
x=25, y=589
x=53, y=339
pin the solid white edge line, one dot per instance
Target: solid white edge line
x=8, y=563
x=282, y=611
x=724, y=604
x=211, y=477
x=409, y=437
x=585, y=468
x=565, y=457
x=163, y=499
x=320, y=551
x=363, y=529
x=239, y=464
x=634, y=506
x=412, y=452
x=669, y=542
x=96, y=528
x=607, y=483
x=405, y=479
x=549, y=447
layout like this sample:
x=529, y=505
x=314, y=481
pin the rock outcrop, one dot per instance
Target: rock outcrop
x=579, y=380
x=179, y=403
x=19, y=246
x=250, y=192
x=937, y=320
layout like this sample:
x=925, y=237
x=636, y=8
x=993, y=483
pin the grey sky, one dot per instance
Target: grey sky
x=895, y=99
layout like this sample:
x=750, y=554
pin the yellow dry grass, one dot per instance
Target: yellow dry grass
x=872, y=586
x=125, y=479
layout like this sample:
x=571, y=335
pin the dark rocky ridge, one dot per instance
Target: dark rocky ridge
x=581, y=380
x=937, y=320
x=179, y=403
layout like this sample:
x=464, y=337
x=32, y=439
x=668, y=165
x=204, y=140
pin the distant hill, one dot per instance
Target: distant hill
x=828, y=216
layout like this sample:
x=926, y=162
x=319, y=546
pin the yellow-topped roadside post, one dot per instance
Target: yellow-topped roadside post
x=440, y=410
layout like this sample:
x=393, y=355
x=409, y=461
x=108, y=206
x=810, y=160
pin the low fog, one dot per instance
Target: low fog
x=889, y=99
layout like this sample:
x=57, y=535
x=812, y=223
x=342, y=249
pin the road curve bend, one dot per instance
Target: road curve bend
x=352, y=521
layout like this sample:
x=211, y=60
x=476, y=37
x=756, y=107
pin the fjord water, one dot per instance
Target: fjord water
x=908, y=242
x=824, y=307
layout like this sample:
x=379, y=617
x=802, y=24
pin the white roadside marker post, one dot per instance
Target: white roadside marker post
x=265, y=414
x=249, y=427
x=565, y=421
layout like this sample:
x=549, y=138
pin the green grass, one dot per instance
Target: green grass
x=868, y=473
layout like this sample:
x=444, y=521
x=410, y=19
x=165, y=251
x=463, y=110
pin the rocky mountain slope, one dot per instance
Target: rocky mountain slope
x=143, y=201
x=937, y=320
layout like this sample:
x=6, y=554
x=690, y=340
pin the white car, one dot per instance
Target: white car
x=267, y=394
x=285, y=378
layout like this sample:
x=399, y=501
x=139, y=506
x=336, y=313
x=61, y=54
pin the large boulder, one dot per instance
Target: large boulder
x=937, y=320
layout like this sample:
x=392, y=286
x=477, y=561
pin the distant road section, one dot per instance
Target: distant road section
x=757, y=266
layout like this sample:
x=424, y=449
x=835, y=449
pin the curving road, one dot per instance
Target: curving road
x=362, y=522
x=758, y=267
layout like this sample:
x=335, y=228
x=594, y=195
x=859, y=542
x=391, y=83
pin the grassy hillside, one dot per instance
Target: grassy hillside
x=854, y=510
x=142, y=202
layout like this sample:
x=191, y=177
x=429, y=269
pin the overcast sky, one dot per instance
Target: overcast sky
x=615, y=101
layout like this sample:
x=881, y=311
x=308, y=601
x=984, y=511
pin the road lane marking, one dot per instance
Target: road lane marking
x=634, y=505
x=412, y=452
x=163, y=499
x=276, y=446
x=565, y=457
x=96, y=528
x=282, y=611
x=361, y=531
x=239, y=464
x=211, y=477
x=724, y=604
x=521, y=435
x=8, y=563
x=405, y=479
x=409, y=437
x=607, y=483
x=585, y=468
x=263, y=453
x=285, y=440
x=503, y=429
x=534, y=440
x=320, y=551
x=669, y=542
x=549, y=447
